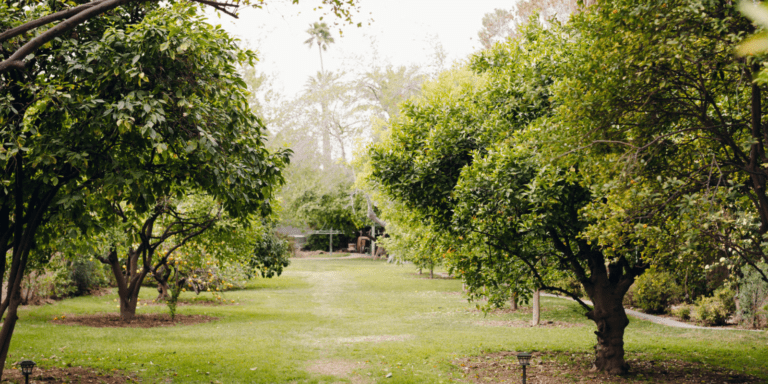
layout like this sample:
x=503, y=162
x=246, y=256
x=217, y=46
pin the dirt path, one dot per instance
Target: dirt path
x=662, y=320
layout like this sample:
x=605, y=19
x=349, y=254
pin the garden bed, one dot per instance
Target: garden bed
x=560, y=367
x=144, y=320
x=73, y=375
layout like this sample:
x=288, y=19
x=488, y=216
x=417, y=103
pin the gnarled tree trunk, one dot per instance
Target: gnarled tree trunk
x=163, y=291
x=606, y=287
x=162, y=274
x=611, y=320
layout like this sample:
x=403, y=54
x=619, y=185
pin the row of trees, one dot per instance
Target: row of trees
x=127, y=134
x=627, y=138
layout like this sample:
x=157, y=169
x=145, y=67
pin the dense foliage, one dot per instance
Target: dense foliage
x=628, y=138
x=127, y=113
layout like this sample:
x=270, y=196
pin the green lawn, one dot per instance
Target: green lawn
x=345, y=321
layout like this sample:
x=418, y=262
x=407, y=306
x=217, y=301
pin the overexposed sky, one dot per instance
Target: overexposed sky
x=403, y=32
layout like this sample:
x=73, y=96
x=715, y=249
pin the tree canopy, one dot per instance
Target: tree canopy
x=152, y=107
x=629, y=137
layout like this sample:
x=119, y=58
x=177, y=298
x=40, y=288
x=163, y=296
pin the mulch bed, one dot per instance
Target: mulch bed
x=561, y=367
x=143, y=320
x=180, y=303
x=67, y=375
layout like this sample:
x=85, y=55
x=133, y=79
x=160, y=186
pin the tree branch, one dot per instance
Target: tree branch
x=65, y=14
x=16, y=60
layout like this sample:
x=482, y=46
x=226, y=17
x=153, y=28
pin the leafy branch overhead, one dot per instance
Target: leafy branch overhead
x=21, y=21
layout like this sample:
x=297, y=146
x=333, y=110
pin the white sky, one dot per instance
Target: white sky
x=403, y=32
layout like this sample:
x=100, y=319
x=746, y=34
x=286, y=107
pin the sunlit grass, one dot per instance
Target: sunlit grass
x=361, y=319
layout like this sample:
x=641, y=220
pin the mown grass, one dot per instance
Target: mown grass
x=368, y=316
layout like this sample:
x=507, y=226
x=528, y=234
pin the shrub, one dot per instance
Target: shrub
x=86, y=275
x=270, y=256
x=717, y=309
x=655, y=291
x=683, y=312
x=753, y=298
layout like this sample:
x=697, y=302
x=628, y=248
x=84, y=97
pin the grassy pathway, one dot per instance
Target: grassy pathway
x=351, y=321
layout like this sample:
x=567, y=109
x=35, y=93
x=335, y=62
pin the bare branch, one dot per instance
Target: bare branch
x=372, y=214
x=16, y=60
x=65, y=14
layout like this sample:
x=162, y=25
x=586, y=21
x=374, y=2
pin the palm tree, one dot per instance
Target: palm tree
x=320, y=34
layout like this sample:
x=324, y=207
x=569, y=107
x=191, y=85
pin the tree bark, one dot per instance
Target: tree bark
x=513, y=302
x=127, y=308
x=611, y=320
x=128, y=284
x=162, y=277
x=162, y=291
x=9, y=324
x=536, y=308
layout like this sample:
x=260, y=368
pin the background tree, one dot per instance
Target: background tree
x=151, y=239
x=502, y=24
x=497, y=26
x=320, y=35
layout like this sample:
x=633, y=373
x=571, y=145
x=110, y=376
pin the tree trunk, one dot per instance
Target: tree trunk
x=162, y=291
x=536, y=308
x=162, y=276
x=431, y=271
x=128, y=284
x=513, y=302
x=327, y=155
x=9, y=324
x=320, y=49
x=611, y=320
x=127, y=309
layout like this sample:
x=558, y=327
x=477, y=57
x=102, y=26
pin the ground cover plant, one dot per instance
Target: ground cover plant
x=354, y=320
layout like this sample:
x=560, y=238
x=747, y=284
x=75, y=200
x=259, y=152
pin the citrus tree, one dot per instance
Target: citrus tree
x=469, y=156
x=153, y=107
x=671, y=124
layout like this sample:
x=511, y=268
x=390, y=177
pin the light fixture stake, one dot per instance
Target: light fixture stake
x=524, y=359
x=26, y=369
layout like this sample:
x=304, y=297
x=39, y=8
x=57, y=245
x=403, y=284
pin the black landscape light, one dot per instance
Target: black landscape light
x=26, y=369
x=525, y=360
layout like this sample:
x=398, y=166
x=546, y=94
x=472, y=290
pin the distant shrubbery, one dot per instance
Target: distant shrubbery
x=654, y=292
x=753, y=298
x=717, y=309
x=60, y=278
x=683, y=311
